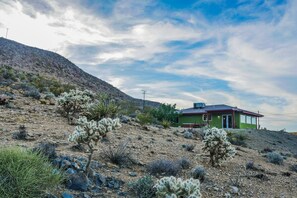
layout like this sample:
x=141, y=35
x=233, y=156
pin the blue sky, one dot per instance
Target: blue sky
x=236, y=52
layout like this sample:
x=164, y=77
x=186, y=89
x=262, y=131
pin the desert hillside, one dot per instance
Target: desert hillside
x=53, y=65
x=147, y=144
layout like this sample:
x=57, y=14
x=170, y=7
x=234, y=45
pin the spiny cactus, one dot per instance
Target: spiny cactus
x=219, y=148
x=74, y=101
x=171, y=187
x=90, y=132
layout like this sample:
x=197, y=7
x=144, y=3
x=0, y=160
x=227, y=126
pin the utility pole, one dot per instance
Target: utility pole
x=6, y=32
x=143, y=102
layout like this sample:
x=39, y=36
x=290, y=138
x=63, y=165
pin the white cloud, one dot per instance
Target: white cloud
x=251, y=58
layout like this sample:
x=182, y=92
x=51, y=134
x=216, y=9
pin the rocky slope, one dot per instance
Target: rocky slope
x=150, y=143
x=51, y=64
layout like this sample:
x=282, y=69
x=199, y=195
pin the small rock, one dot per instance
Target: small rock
x=188, y=135
x=78, y=181
x=42, y=101
x=122, y=194
x=132, y=174
x=70, y=171
x=67, y=195
x=234, y=190
x=65, y=164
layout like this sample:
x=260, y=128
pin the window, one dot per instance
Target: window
x=248, y=119
x=254, y=120
x=206, y=117
x=242, y=118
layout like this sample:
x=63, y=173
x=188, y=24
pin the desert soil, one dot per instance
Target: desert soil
x=152, y=143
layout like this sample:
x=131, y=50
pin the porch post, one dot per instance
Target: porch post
x=233, y=119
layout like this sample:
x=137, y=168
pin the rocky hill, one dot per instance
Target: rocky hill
x=51, y=64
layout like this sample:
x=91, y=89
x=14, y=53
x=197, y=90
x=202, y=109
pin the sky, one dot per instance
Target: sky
x=236, y=52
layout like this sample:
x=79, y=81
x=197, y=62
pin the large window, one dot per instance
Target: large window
x=248, y=119
x=242, y=118
x=206, y=117
x=254, y=121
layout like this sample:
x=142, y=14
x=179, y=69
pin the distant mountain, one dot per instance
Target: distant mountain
x=47, y=63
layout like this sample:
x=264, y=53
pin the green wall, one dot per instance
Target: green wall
x=216, y=120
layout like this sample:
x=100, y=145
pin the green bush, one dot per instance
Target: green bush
x=104, y=108
x=275, y=158
x=25, y=174
x=237, y=138
x=166, y=124
x=143, y=187
x=145, y=118
x=165, y=112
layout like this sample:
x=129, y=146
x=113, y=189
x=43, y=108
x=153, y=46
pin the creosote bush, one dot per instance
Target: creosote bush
x=275, y=158
x=163, y=167
x=172, y=187
x=293, y=168
x=199, y=173
x=216, y=144
x=25, y=174
x=143, y=187
x=184, y=163
x=90, y=132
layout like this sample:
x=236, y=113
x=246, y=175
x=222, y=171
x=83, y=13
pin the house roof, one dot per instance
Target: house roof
x=216, y=108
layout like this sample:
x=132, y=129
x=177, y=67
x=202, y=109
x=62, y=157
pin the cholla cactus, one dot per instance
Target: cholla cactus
x=216, y=143
x=90, y=132
x=74, y=101
x=171, y=187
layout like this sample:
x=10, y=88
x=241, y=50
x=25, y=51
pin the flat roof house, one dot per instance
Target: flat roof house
x=220, y=116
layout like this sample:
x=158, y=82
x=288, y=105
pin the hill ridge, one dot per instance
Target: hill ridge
x=36, y=60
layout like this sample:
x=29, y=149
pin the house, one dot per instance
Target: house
x=220, y=116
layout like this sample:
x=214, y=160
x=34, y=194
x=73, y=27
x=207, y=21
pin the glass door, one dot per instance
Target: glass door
x=227, y=121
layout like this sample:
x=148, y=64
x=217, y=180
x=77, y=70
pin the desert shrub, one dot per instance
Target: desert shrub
x=145, y=118
x=293, y=168
x=90, y=132
x=105, y=107
x=275, y=158
x=199, y=173
x=163, y=167
x=119, y=155
x=267, y=150
x=184, y=163
x=23, y=86
x=21, y=134
x=250, y=165
x=172, y=187
x=47, y=149
x=216, y=143
x=74, y=102
x=166, y=124
x=165, y=112
x=25, y=174
x=49, y=95
x=128, y=108
x=33, y=93
x=188, y=135
x=237, y=138
x=189, y=147
x=143, y=187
